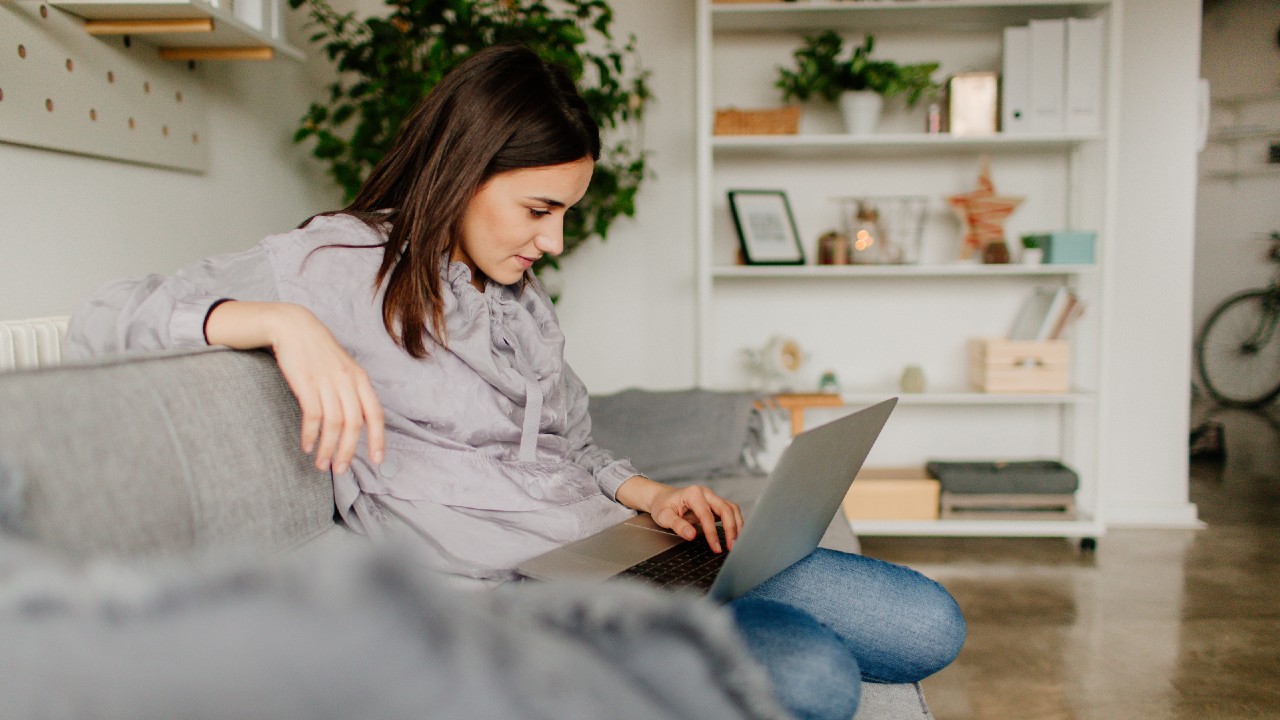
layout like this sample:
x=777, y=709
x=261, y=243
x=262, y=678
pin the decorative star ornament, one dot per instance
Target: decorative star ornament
x=984, y=212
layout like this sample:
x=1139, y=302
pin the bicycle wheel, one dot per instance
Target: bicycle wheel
x=1238, y=352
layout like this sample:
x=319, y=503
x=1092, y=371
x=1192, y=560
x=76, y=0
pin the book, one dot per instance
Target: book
x=1031, y=315
x=1047, y=75
x=1045, y=314
x=1015, y=81
x=1069, y=315
x=1057, y=306
x=250, y=12
x=1082, y=106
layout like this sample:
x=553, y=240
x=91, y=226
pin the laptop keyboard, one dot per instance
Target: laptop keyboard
x=688, y=565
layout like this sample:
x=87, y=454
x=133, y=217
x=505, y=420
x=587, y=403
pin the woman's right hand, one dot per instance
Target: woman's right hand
x=333, y=391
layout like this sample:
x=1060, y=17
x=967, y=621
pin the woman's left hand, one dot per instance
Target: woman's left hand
x=677, y=509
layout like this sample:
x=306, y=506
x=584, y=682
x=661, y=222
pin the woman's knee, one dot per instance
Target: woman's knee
x=932, y=633
x=910, y=625
x=902, y=625
x=814, y=672
x=950, y=628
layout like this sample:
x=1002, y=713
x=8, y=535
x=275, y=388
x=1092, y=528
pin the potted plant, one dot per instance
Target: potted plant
x=387, y=62
x=1032, y=253
x=859, y=84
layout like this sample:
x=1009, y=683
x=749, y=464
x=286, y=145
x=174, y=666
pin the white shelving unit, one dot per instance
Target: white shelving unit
x=186, y=29
x=868, y=322
x=1243, y=137
x=965, y=397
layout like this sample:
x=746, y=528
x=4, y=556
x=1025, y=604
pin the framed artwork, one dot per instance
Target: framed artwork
x=766, y=227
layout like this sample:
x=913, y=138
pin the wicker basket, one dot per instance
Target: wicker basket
x=769, y=121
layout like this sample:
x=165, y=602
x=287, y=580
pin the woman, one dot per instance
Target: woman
x=411, y=317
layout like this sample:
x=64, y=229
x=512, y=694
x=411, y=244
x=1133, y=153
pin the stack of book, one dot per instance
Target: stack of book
x=1046, y=314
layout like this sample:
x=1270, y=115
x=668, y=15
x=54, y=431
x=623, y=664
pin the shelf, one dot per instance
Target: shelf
x=176, y=27
x=1078, y=528
x=1244, y=132
x=878, y=15
x=1261, y=171
x=815, y=272
x=1235, y=102
x=967, y=398
x=896, y=144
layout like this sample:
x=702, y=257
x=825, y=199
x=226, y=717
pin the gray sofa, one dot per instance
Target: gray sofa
x=166, y=550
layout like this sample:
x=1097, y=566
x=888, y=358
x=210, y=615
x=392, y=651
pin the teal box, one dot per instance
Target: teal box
x=1066, y=247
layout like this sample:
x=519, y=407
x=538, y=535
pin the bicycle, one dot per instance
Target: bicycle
x=1238, y=350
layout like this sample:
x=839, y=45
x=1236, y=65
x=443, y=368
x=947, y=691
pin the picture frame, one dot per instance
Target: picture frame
x=766, y=228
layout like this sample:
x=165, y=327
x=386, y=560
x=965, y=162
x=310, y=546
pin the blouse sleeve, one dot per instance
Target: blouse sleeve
x=608, y=471
x=161, y=312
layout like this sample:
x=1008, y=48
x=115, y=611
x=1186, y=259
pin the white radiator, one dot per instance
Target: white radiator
x=31, y=343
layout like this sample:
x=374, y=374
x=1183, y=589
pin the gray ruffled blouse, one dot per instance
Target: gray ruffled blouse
x=489, y=452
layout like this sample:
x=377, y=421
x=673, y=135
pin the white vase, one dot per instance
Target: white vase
x=861, y=111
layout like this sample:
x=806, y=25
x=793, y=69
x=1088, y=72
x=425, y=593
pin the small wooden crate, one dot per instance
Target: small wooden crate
x=766, y=121
x=892, y=494
x=1020, y=366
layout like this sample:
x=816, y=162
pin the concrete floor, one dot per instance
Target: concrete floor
x=1156, y=624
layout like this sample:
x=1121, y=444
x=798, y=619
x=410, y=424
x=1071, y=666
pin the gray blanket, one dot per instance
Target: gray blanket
x=354, y=633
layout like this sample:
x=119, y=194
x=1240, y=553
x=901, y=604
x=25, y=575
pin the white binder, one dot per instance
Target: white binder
x=1048, y=53
x=1015, y=81
x=1084, y=75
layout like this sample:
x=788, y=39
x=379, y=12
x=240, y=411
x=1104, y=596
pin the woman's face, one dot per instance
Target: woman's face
x=517, y=217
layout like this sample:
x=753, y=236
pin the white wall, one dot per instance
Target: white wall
x=72, y=223
x=1240, y=59
x=627, y=305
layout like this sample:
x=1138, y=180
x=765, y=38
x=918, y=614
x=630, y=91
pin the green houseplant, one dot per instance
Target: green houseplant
x=1032, y=253
x=386, y=63
x=857, y=82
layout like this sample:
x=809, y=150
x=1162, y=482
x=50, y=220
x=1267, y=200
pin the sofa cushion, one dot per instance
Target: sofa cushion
x=161, y=453
x=678, y=434
x=10, y=499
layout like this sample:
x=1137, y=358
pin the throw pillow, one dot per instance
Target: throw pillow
x=680, y=435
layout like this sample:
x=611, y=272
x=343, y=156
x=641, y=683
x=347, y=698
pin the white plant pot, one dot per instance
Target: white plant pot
x=1032, y=256
x=861, y=111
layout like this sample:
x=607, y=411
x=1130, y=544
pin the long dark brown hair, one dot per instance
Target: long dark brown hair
x=502, y=109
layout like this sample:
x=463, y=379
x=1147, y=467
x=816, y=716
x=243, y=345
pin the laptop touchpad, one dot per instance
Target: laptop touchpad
x=625, y=544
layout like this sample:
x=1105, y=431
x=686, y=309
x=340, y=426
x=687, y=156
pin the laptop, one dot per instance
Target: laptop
x=799, y=499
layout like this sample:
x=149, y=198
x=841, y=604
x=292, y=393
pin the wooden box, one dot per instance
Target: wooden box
x=1019, y=366
x=892, y=494
x=765, y=121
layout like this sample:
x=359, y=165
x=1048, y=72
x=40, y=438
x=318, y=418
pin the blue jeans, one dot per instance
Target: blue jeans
x=832, y=618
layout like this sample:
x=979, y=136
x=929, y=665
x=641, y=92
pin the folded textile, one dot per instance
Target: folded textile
x=361, y=632
x=1048, y=477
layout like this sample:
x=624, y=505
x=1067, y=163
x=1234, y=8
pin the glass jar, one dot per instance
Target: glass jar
x=871, y=245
